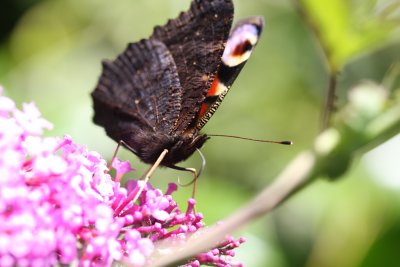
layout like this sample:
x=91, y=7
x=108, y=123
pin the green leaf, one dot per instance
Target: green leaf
x=346, y=28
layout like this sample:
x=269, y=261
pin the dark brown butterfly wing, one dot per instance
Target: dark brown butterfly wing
x=139, y=91
x=150, y=95
x=196, y=40
x=241, y=42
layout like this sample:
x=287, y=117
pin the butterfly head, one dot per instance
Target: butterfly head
x=182, y=147
x=148, y=146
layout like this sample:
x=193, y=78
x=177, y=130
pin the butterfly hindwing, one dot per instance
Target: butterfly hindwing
x=196, y=40
x=137, y=91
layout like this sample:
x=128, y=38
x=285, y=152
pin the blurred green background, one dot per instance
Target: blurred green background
x=50, y=53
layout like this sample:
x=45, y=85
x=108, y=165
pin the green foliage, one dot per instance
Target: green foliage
x=52, y=56
x=347, y=28
x=371, y=116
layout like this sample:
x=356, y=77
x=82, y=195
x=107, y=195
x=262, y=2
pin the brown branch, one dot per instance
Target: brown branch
x=329, y=105
x=295, y=176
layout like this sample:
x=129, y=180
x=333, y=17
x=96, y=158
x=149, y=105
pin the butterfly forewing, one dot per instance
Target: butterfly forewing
x=240, y=44
x=196, y=40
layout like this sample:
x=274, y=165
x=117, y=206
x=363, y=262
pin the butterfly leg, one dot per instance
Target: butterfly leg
x=135, y=194
x=148, y=174
x=121, y=142
x=115, y=154
x=196, y=174
x=193, y=182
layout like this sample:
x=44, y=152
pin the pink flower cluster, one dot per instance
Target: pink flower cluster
x=221, y=256
x=60, y=205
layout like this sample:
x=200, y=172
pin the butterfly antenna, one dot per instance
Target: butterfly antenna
x=252, y=139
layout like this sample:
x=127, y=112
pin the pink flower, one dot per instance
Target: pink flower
x=157, y=203
x=121, y=167
x=59, y=204
x=137, y=248
x=221, y=256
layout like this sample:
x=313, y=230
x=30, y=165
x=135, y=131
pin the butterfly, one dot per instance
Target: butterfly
x=160, y=92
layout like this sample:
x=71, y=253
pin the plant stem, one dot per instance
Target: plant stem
x=329, y=102
x=298, y=173
x=332, y=68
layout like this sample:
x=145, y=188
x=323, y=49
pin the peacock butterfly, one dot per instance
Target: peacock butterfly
x=160, y=92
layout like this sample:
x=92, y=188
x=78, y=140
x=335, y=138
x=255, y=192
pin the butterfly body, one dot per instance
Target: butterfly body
x=150, y=145
x=161, y=91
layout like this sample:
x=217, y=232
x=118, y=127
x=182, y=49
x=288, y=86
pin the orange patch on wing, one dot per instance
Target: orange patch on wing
x=216, y=88
x=203, y=109
x=213, y=91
